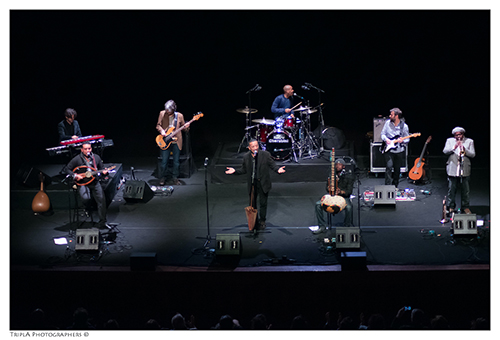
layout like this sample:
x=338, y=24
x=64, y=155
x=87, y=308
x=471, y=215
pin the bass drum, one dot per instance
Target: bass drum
x=279, y=145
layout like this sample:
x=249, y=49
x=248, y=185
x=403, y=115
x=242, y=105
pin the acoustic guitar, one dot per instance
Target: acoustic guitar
x=392, y=144
x=41, y=202
x=91, y=174
x=418, y=171
x=165, y=141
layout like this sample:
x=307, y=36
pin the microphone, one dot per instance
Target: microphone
x=258, y=87
x=306, y=87
x=296, y=95
x=206, y=162
x=255, y=153
x=89, y=153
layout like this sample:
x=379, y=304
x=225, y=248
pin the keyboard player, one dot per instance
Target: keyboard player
x=69, y=127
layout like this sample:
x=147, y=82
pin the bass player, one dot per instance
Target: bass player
x=168, y=121
x=86, y=158
x=393, y=131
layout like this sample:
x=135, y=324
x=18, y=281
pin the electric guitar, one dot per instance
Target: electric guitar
x=392, y=143
x=165, y=141
x=418, y=171
x=91, y=174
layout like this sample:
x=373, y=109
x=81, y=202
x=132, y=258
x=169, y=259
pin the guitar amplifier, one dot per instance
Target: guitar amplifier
x=378, y=124
x=377, y=159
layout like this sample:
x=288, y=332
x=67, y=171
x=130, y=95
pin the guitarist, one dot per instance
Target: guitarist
x=168, y=121
x=394, y=129
x=94, y=189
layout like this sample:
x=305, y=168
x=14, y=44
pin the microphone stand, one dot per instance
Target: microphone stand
x=207, y=251
x=320, y=116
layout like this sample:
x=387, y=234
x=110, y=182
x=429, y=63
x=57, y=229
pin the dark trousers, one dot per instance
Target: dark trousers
x=393, y=161
x=165, y=156
x=259, y=194
x=453, y=184
x=94, y=190
x=321, y=214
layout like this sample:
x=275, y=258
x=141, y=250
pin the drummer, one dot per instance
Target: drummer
x=343, y=188
x=282, y=104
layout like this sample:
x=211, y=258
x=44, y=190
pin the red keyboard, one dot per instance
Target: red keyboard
x=81, y=139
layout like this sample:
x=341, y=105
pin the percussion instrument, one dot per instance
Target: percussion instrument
x=333, y=204
x=264, y=121
x=279, y=145
x=264, y=131
x=305, y=110
x=247, y=110
x=289, y=122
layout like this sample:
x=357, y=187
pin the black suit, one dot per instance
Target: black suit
x=262, y=179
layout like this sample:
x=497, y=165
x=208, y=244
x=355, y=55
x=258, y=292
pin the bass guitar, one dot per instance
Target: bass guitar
x=418, y=171
x=392, y=144
x=165, y=141
x=91, y=174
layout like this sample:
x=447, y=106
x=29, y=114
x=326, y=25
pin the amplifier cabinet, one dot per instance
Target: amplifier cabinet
x=377, y=159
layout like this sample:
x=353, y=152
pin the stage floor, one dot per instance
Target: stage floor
x=282, y=272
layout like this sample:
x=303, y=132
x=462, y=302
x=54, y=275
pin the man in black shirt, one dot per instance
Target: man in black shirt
x=69, y=127
x=88, y=159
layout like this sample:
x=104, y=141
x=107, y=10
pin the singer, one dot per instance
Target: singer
x=282, y=104
x=458, y=168
x=94, y=189
x=256, y=165
x=170, y=120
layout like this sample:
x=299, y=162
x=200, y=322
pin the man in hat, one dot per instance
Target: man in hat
x=458, y=167
x=343, y=189
x=256, y=165
x=394, y=129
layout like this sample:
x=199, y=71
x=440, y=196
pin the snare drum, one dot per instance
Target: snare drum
x=264, y=131
x=279, y=145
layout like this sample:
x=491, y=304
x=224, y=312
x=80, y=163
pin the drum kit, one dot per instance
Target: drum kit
x=286, y=138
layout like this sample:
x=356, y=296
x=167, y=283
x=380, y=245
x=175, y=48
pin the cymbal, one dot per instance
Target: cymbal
x=308, y=111
x=247, y=110
x=302, y=108
x=264, y=121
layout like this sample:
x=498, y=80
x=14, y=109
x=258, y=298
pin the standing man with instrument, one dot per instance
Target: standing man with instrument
x=256, y=165
x=69, y=127
x=168, y=121
x=393, y=133
x=342, y=187
x=458, y=167
x=84, y=168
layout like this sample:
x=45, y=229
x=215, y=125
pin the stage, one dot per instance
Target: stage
x=173, y=237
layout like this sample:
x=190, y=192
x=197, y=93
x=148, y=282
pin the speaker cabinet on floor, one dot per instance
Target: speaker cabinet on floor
x=137, y=191
x=347, y=238
x=87, y=240
x=227, y=244
x=353, y=260
x=464, y=224
x=384, y=194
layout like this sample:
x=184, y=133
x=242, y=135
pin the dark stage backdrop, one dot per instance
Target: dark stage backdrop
x=118, y=68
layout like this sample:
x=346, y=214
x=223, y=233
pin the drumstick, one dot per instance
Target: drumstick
x=296, y=106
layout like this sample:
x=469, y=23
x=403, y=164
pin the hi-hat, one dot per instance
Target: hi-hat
x=247, y=110
x=264, y=121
